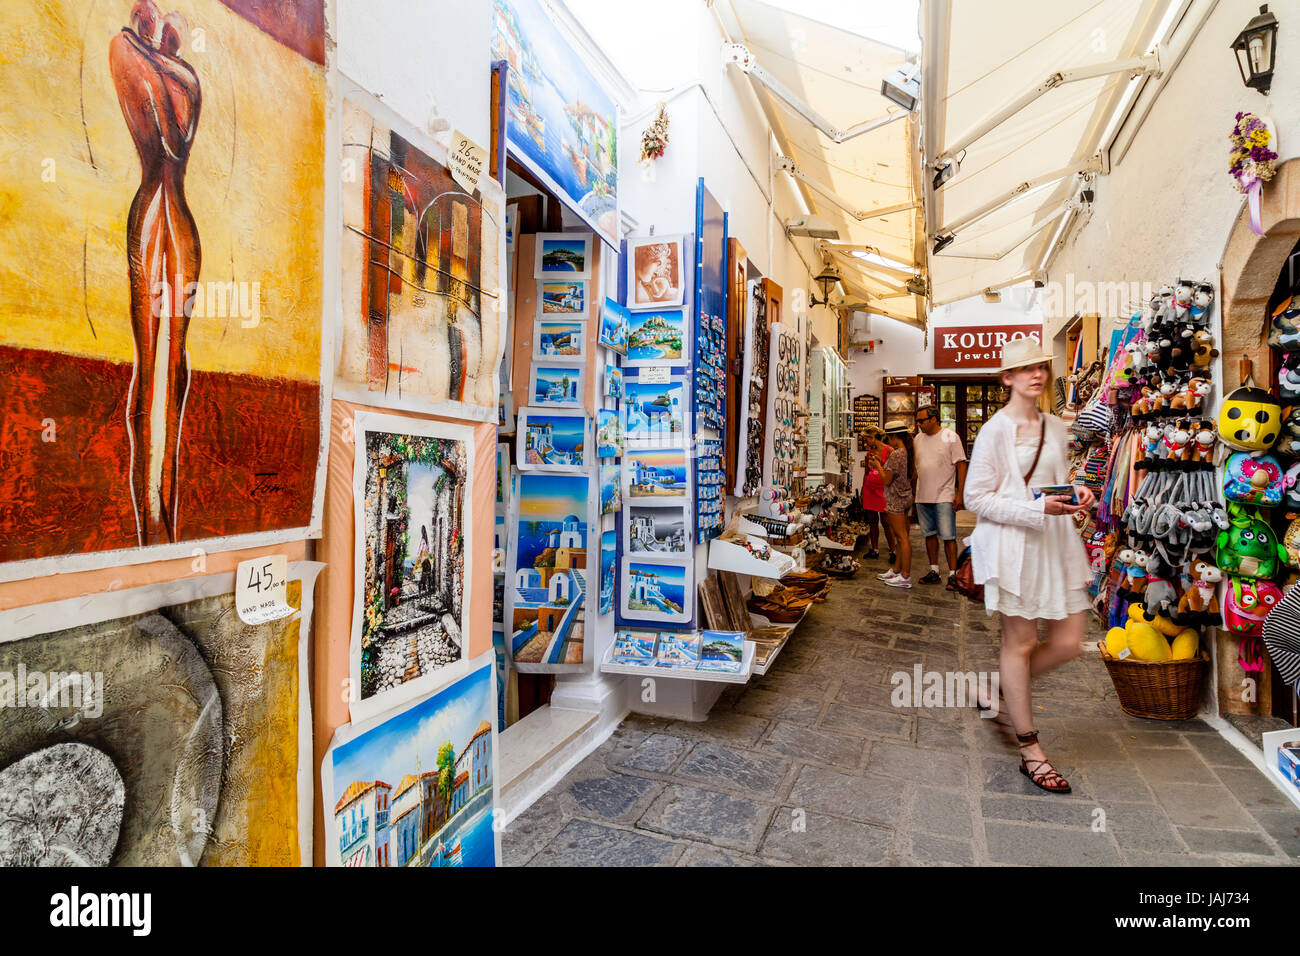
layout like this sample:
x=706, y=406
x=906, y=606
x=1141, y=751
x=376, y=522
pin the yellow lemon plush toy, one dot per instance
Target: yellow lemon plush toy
x=1186, y=645
x=1116, y=641
x=1146, y=643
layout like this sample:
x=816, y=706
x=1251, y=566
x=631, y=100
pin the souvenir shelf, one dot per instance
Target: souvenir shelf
x=607, y=666
x=759, y=620
x=726, y=554
x=1272, y=740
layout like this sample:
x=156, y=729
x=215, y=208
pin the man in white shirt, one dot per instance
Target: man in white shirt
x=940, y=476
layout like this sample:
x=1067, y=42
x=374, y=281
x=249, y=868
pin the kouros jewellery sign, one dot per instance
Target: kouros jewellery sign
x=976, y=347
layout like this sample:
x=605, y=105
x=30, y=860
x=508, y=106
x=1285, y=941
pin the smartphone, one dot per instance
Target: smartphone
x=1062, y=491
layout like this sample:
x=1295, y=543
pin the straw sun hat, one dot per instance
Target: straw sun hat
x=1018, y=353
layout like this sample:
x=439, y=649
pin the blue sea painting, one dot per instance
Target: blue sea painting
x=565, y=297
x=608, y=557
x=557, y=385
x=659, y=335
x=609, y=434
x=722, y=651
x=657, y=473
x=558, y=438
x=565, y=255
x=399, y=762
x=611, y=491
x=560, y=122
x=560, y=337
x=613, y=326
x=656, y=587
x=614, y=381
x=634, y=646
x=653, y=412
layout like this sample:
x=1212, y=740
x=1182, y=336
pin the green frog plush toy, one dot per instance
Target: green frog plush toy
x=1248, y=548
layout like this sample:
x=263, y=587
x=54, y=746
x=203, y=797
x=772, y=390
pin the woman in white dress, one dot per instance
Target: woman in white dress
x=1025, y=549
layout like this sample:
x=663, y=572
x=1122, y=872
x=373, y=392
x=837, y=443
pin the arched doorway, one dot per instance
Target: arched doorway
x=1250, y=270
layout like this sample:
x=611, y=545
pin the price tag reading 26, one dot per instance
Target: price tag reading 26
x=261, y=589
x=465, y=160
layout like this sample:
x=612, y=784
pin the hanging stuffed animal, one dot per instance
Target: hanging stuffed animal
x=1284, y=328
x=1201, y=448
x=1289, y=443
x=1199, y=604
x=1192, y=395
x=1203, y=351
x=1202, y=300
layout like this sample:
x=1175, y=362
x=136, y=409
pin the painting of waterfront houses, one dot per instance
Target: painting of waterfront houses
x=613, y=326
x=614, y=381
x=565, y=298
x=557, y=385
x=611, y=490
x=417, y=789
x=656, y=337
x=560, y=122
x=657, y=474
x=551, y=440
x=656, y=587
x=678, y=650
x=548, y=587
x=635, y=647
x=653, y=413
x=656, y=531
x=566, y=255
x=722, y=651
x=560, y=338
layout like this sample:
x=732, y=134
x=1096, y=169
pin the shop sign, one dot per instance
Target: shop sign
x=957, y=347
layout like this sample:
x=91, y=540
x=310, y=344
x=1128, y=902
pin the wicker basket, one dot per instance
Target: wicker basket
x=1160, y=690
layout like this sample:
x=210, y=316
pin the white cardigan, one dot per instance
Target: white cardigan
x=997, y=493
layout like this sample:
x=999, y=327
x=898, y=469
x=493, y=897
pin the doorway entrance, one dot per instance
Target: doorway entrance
x=966, y=403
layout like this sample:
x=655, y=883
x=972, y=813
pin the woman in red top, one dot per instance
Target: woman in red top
x=873, y=495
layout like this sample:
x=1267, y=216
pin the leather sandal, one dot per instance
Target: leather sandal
x=1042, y=774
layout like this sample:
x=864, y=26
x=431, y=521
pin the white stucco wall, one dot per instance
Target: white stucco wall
x=1165, y=211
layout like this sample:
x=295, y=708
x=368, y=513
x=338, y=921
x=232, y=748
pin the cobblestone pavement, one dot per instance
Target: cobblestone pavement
x=811, y=764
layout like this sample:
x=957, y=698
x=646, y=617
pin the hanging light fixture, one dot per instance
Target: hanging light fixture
x=826, y=280
x=1256, y=49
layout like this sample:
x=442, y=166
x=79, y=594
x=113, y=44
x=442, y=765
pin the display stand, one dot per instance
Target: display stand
x=607, y=666
x=1271, y=741
x=726, y=555
x=759, y=620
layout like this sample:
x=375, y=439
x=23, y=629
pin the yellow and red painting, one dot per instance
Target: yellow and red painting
x=162, y=198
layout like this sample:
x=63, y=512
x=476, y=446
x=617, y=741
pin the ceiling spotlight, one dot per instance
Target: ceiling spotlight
x=942, y=241
x=903, y=87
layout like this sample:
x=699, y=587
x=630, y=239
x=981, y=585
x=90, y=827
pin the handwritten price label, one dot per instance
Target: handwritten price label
x=465, y=160
x=261, y=589
x=654, y=375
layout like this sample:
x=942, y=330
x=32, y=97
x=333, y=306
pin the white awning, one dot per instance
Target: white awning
x=838, y=75
x=974, y=65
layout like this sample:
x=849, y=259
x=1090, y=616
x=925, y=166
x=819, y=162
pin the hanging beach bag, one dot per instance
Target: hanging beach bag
x=1250, y=420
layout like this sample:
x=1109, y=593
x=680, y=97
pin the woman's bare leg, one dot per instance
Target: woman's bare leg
x=903, y=548
x=1064, y=643
x=1019, y=639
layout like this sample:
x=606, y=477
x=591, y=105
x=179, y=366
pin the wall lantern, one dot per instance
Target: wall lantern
x=1256, y=47
x=826, y=280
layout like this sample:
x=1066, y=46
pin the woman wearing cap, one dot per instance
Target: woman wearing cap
x=873, y=495
x=1025, y=550
x=899, y=477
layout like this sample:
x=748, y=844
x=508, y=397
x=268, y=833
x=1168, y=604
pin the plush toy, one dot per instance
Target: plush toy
x=1193, y=393
x=1150, y=401
x=1203, y=350
x=1202, y=299
x=1183, y=299
x=1201, y=447
x=1134, y=580
x=1284, y=328
x=1174, y=443
x=1160, y=597
x=1289, y=443
x=1201, y=598
x=1288, y=380
x=1250, y=419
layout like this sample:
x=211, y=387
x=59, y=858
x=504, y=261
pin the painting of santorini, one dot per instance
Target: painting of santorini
x=557, y=385
x=417, y=789
x=609, y=434
x=608, y=556
x=656, y=272
x=656, y=587
x=560, y=123
x=611, y=490
x=657, y=474
x=613, y=326
x=654, y=532
x=654, y=413
x=551, y=441
x=614, y=381
x=559, y=338
x=721, y=651
x=413, y=559
x=635, y=647
x=548, y=587
x=678, y=650
x=656, y=337
x=563, y=255
x=567, y=297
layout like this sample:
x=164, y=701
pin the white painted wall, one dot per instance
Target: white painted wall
x=1167, y=208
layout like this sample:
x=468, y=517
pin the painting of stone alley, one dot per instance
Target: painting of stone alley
x=414, y=513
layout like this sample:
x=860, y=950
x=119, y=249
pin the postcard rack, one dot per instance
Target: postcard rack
x=607, y=666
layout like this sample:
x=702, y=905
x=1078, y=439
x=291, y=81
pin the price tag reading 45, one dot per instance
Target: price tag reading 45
x=261, y=589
